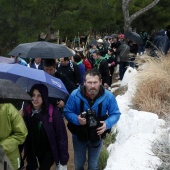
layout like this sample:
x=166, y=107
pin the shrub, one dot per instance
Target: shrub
x=110, y=138
x=153, y=87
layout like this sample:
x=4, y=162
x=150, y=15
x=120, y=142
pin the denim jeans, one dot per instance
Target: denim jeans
x=80, y=148
x=122, y=69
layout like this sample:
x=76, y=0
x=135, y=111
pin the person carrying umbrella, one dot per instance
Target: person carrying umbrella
x=5, y=163
x=36, y=63
x=13, y=132
x=12, y=127
x=20, y=60
x=47, y=140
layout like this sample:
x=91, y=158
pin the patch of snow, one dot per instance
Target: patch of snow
x=137, y=130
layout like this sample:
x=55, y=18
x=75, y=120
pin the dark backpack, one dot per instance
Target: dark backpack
x=71, y=65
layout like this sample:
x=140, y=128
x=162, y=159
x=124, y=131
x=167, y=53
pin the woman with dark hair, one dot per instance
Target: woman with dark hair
x=47, y=140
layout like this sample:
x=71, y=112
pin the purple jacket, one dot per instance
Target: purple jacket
x=56, y=132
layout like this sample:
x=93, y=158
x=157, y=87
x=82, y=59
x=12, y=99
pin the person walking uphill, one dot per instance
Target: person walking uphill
x=91, y=111
x=47, y=140
x=13, y=132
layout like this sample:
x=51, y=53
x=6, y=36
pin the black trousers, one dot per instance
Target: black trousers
x=45, y=162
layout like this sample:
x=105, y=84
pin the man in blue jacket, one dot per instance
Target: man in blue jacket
x=91, y=111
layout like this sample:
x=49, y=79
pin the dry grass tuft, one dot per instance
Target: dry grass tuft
x=153, y=88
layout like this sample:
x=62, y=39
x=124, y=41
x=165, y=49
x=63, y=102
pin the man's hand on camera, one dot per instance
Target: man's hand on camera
x=81, y=120
x=102, y=128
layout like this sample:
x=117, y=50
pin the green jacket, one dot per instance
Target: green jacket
x=12, y=132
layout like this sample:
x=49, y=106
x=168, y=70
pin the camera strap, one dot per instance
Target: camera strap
x=99, y=107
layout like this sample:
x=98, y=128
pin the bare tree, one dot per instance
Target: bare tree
x=129, y=19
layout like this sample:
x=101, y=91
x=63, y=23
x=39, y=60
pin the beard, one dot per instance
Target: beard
x=93, y=91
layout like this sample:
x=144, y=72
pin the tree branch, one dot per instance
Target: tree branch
x=143, y=10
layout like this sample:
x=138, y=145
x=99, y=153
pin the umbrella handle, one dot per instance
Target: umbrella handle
x=22, y=106
x=21, y=110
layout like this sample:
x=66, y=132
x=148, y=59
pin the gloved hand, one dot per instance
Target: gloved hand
x=61, y=167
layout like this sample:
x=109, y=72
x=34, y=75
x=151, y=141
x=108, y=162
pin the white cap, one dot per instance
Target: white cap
x=100, y=41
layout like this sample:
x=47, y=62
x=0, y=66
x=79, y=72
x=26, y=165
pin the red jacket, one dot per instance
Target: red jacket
x=87, y=64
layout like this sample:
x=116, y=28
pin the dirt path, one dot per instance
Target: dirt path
x=70, y=165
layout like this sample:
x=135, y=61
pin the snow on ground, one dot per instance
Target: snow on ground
x=137, y=130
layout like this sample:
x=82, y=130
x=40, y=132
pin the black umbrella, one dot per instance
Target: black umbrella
x=107, y=36
x=133, y=36
x=114, y=35
x=7, y=60
x=10, y=91
x=41, y=49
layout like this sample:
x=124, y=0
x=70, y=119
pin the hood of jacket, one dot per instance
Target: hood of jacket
x=161, y=32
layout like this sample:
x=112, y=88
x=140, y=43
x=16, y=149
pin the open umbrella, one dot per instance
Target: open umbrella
x=9, y=91
x=41, y=49
x=7, y=60
x=133, y=36
x=26, y=77
x=93, y=42
x=114, y=35
x=107, y=36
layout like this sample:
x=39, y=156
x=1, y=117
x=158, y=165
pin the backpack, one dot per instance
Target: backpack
x=71, y=65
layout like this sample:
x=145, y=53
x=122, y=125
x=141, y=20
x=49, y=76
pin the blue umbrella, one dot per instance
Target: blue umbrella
x=7, y=60
x=26, y=77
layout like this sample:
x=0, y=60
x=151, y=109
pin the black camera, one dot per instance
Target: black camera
x=84, y=114
x=90, y=115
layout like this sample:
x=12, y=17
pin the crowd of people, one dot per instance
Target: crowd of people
x=115, y=50
x=37, y=134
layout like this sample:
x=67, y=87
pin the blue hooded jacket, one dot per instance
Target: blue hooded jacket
x=109, y=106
